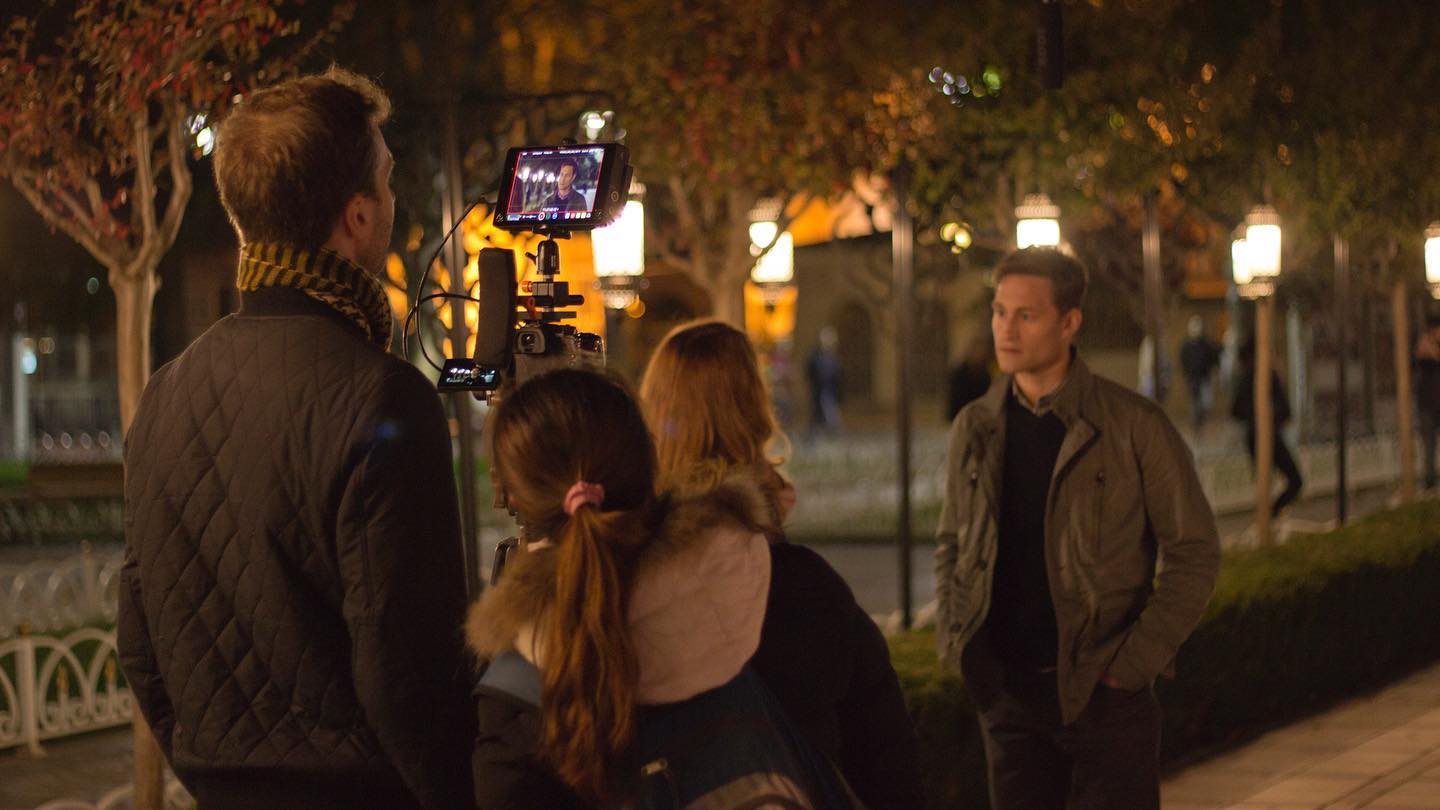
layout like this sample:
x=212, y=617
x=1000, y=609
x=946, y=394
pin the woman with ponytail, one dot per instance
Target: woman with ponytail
x=820, y=654
x=621, y=614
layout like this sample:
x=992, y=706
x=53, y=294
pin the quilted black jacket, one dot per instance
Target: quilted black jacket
x=293, y=591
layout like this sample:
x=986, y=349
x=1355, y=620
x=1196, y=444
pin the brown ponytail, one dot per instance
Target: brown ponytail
x=555, y=430
x=590, y=673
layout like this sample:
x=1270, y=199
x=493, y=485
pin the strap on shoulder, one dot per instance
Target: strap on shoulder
x=513, y=675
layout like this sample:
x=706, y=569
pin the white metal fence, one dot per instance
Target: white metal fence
x=849, y=488
x=52, y=596
x=1229, y=480
x=54, y=687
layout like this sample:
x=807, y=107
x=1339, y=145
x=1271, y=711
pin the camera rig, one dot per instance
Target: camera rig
x=542, y=191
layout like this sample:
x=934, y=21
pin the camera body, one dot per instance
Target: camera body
x=509, y=348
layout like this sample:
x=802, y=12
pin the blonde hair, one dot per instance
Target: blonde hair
x=709, y=409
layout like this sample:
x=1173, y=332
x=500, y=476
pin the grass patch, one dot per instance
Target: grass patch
x=13, y=474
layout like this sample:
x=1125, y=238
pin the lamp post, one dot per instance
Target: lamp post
x=1255, y=262
x=774, y=268
x=1404, y=405
x=771, y=324
x=1342, y=400
x=771, y=277
x=902, y=259
x=1037, y=222
x=1432, y=259
x=619, y=250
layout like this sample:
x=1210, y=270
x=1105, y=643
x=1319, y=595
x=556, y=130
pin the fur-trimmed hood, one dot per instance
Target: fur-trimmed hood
x=697, y=603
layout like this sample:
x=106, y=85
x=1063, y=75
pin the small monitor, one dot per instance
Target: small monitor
x=562, y=188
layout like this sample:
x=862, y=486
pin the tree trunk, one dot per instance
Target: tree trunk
x=727, y=301
x=134, y=295
x=149, y=766
x=1404, y=429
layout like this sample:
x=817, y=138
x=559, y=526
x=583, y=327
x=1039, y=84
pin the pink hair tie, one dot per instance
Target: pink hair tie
x=583, y=494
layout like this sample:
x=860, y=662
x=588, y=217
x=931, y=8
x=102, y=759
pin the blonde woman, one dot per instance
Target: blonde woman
x=820, y=654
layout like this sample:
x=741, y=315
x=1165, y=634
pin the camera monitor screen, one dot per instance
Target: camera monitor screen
x=463, y=374
x=573, y=187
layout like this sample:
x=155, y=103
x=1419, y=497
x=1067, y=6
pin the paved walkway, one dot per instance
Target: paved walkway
x=1378, y=751
x=1381, y=751
x=84, y=768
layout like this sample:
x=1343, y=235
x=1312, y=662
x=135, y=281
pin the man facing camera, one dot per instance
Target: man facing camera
x=1076, y=552
x=293, y=581
x=566, y=197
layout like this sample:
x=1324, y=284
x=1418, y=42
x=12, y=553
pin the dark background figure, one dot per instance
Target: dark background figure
x=1199, y=357
x=969, y=379
x=822, y=370
x=1427, y=390
x=1243, y=409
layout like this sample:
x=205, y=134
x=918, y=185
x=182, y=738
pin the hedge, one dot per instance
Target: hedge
x=1291, y=629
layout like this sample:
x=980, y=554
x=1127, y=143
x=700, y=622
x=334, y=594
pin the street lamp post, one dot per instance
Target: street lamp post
x=773, y=278
x=1432, y=259
x=1037, y=222
x=1256, y=266
x=619, y=250
x=1342, y=400
x=775, y=268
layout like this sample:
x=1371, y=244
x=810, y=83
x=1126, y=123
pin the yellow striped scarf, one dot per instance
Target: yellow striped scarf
x=323, y=275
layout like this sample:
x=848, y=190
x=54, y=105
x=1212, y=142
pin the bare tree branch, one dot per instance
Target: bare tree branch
x=181, y=183
x=656, y=240
x=142, y=201
x=685, y=212
x=25, y=183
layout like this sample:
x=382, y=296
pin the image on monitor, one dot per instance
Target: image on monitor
x=555, y=184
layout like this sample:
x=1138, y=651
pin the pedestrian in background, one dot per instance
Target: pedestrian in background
x=1076, y=552
x=820, y=653
x=822, y=371
x=969, y=379
x=1199, y=358
x=1243, y=409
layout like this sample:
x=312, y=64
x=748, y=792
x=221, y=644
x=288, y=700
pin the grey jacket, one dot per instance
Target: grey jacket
x=1131, y=549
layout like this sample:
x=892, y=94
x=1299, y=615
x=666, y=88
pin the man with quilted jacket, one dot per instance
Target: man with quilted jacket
x=293, y=587
x=1076, y=552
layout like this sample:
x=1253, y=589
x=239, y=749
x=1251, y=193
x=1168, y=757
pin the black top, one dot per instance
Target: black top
x=1427, y=384
x=1243, y=408
x=1199, y=357
x=1021, y=623
x=968, y=382
x=827, y=663
x=574, y=201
